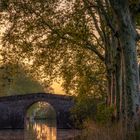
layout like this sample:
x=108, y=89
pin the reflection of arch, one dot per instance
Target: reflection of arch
x=13, y=109
x=42, y=131
x=62, y=115
x=46, y=105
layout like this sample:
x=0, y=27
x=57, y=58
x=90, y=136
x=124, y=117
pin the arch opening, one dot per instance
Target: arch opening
x=40, y=120
x=40, y=110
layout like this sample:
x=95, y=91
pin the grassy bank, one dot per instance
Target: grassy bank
x=95, y=131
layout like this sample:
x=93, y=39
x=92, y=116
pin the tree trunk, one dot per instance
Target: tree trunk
x=131, y=75
x=127, y=37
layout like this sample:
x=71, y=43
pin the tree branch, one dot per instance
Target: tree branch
x=105, y=14
x=138, y=37
x=93, y=48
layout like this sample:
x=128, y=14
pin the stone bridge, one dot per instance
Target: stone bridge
x=13, y=109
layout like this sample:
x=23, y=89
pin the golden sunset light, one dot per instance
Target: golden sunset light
x=69, y=69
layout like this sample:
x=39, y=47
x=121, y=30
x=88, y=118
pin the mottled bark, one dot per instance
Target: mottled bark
x=127, y=37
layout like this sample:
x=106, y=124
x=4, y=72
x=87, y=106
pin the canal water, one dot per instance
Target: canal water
x=39, y=130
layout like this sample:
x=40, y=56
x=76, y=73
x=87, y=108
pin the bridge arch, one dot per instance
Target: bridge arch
x=13, y=109
x=39, y=107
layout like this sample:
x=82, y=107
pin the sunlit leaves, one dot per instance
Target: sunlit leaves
x=53, y=38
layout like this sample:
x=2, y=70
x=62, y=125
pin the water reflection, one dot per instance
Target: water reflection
x=37, y=130
x=41, y=130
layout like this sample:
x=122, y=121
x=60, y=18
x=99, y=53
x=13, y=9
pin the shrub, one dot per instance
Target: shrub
x=84, y=109
x=104, y=114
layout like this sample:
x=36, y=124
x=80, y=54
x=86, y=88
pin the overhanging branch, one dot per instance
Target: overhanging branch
x=94, y=49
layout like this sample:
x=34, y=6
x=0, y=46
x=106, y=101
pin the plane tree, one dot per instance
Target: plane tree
x=82, y=41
